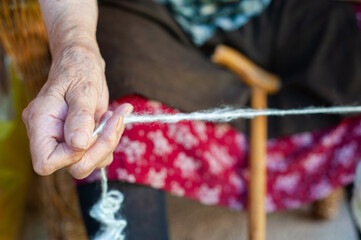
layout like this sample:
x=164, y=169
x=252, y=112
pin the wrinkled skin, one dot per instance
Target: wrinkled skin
x=61, y=119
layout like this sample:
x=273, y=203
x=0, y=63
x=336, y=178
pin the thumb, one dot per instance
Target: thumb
x=79, y=123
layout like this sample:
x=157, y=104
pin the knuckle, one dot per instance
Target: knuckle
x=25, y=114
x=30, y=116
x=33, y=110
x=109, y=160
x=80, y=172
x=43, y=169
x=82, y=168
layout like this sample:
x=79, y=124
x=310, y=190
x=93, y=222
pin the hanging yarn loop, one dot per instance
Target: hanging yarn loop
x=105, y=210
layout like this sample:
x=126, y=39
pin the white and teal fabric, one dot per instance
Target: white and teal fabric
x=201, y=18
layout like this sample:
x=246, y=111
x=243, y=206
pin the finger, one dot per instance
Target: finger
x=106, y=162
x=45, y=124
x=104, y=145
x=104, y=119
x=103, y=103
x=79, y=123
x=60, y=157
x=25, y=116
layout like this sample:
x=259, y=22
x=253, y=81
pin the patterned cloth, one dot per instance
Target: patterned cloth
x=208, y=162
x=201, y=18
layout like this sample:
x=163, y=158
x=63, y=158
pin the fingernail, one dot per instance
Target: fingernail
x=124, y=110
x=80, y=140
x=129, y=110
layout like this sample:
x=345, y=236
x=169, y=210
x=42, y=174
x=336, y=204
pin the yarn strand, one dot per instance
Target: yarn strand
x=228, y=114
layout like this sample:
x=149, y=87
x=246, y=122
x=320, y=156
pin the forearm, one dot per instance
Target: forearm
x=70, y=22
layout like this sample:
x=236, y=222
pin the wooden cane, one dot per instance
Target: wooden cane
x=261, y=83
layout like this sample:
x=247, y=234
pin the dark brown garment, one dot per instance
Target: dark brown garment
x=314, y=46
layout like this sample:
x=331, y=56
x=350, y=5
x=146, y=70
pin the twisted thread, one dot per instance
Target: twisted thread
x=228, y=114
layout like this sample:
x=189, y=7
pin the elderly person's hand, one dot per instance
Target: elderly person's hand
x=61, y=119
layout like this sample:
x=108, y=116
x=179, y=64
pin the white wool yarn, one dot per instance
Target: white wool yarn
x=228, y=114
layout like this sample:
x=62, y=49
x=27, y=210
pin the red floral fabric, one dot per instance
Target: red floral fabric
x=208, y=162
